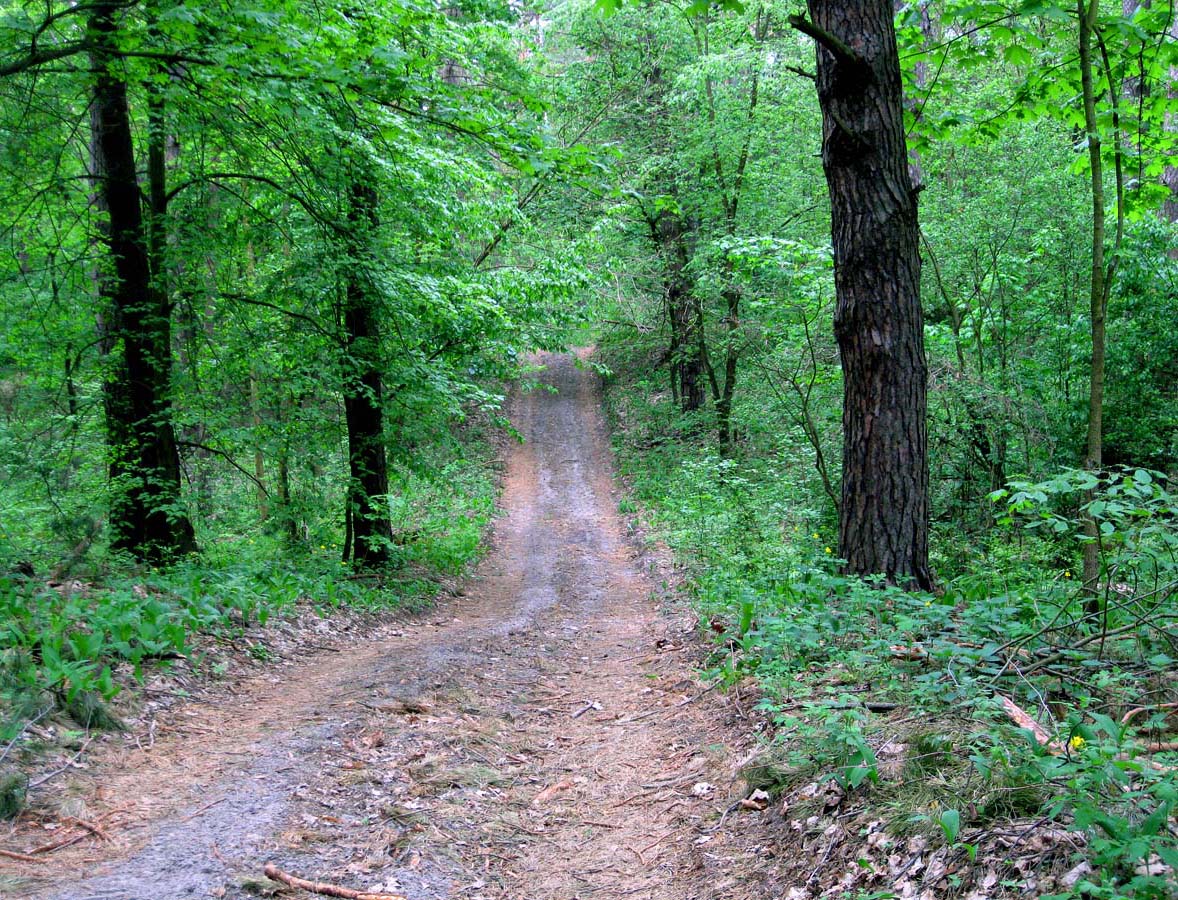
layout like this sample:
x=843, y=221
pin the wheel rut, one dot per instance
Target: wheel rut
x=540, y=736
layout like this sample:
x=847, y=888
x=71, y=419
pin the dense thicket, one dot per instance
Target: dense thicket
x=243, y=245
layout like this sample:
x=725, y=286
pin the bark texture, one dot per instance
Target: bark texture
x=146, y=516
x=670, y=233
x=368, y=486
x=883, y=526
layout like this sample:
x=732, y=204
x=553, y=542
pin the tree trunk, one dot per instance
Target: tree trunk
x=1097, y=305
x=731, y=326
x=146, y=516
x=670, y=232
x=1170, y=175
x=368, y=485
x=883, y=527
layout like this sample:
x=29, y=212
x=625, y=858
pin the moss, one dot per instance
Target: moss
x=770, y=776
x=929, y=753
x=13, y=787
x=88, y=710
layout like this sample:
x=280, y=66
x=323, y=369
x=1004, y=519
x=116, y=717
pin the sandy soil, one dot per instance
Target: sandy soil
x=541, y=735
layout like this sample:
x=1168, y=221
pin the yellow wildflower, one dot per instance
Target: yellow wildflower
x=1076, y=742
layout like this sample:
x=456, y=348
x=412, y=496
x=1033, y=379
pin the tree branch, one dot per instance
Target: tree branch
x=40, y=57
x=834, y=45
x=195, y=445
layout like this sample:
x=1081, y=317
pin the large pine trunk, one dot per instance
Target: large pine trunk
x=883, y=527
x=146, y=516
x=368, y=486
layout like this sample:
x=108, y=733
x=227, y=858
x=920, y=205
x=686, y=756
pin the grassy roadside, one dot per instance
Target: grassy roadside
x=898, y=755
x=74, y=653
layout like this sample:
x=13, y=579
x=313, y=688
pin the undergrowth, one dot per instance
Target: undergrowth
x=68, y=646
x=901, y=702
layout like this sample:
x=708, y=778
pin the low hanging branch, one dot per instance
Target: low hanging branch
x=274, y=873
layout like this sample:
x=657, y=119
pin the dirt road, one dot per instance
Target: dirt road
x=539, y=736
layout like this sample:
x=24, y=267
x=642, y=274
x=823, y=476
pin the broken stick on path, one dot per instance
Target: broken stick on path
x=274, y=873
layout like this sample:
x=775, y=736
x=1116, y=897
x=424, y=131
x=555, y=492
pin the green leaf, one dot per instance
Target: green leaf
x=1017, y=56
x=950, y=822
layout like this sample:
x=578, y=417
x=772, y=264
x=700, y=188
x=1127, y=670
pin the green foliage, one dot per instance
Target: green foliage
x=1013, y=622
x=81, y=640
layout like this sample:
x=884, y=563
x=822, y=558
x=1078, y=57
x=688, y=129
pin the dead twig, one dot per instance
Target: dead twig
x=196, y=812
x=69, y=765
x=23, y=857
x=599, y=824
x=584, y=709
x=274, y=873
x=655, y=843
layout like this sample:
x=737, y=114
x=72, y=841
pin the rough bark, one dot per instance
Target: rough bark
x=146, y=517
x=368, y=485
x=883, y=527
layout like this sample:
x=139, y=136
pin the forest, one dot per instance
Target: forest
x=879, y=303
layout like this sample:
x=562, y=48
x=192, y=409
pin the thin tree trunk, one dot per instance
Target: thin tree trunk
x=263, y=500
x=883, y=526
x=288, y=524
x=1170, y=175
x=146, y=516
x=1088, y=10
x=1102, y=273
x=731, y=355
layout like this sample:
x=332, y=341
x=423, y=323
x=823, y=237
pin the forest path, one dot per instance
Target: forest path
x=540, y=737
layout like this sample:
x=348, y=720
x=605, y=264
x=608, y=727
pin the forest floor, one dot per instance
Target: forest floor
x=539, y=734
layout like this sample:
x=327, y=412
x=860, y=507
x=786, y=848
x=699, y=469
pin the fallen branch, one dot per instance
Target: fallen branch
x=1023, y=720
x=93, y=827
x=274, y=873
x=592, y=704
x=1136, y=711
x=61, y=843
x=711, y=687
x=23, y=857
x=69, y=765
x=196, y=812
